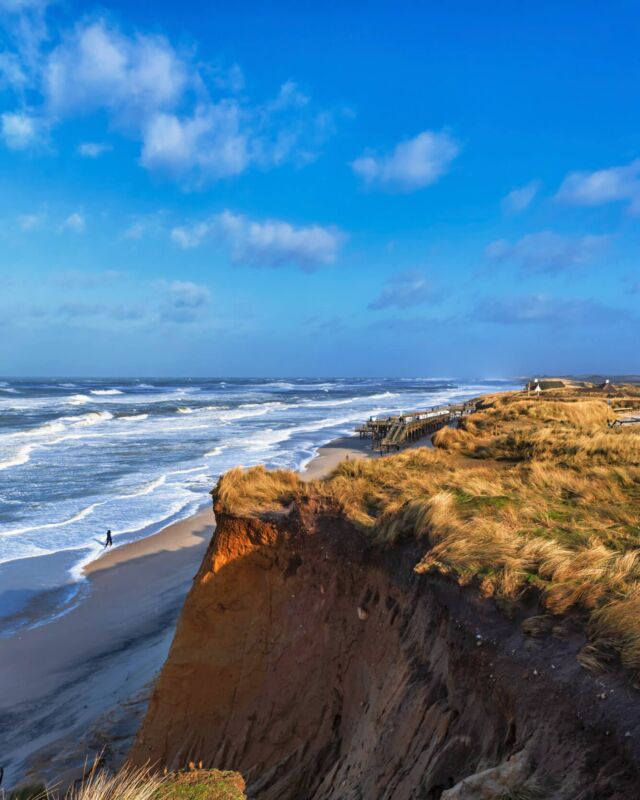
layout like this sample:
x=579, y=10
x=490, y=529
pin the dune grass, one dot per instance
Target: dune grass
x=528, y=493
x=141, y=783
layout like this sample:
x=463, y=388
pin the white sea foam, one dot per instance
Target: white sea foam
x=48, y=525
x=21, y=456
x=78, y=399
x=214, y=452
x=106, y=391
x=146, y=489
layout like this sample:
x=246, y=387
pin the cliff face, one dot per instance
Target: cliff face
x=322, y=667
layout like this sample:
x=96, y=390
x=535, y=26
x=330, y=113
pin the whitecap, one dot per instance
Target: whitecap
x=146, y=489
x=20, y=457
x=106, y=391
x=48, y=525
x=79, y=399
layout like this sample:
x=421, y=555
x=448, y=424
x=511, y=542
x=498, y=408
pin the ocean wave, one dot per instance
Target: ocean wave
x=20, y=457
x=78, y=399
x=132, y=417
x=90, y=418
x=48, y=525
x=106, y=391
x=185, y=410
x=249, y=410
x=146, y=489
x=187, y=471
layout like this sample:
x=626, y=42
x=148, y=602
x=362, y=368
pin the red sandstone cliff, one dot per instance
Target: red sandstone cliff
x=323, y=668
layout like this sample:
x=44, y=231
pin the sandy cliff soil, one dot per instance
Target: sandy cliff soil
x=322, y=667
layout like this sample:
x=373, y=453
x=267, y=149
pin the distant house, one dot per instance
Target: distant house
x=606, y=386
x=539, y=385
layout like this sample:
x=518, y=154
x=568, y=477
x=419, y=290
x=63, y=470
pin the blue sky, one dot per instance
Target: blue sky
x=384, y=189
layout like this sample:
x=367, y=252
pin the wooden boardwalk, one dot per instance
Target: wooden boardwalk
x=624, y=421
x=391, y=433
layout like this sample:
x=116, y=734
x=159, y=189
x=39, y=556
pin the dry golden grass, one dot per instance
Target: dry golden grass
x=529, y=492
x=143, y=783
x=241, y=491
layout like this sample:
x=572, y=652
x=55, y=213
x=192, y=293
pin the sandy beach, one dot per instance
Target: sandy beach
x=79, y=684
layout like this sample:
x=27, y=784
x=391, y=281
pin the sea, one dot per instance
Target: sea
x=78, y=457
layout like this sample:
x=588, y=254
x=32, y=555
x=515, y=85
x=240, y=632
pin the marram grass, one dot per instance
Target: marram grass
x=527, y=492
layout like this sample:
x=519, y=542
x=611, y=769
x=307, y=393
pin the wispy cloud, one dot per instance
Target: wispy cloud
x=404, y=290
x=75, y=223
x=411, y=165
x=93, y=149
x=267, y=243
x=542, y=309
x=97, y=67
x=190, y=121
x=518, y=200
x=547, y=251
x=21, y=130
x=144, y=225
x=29, y=222
x=603, y=186
x=80, y=279
x=79, y=309
x=184, y=301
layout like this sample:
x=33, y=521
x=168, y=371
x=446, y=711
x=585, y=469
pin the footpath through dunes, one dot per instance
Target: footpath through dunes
x=452, y=623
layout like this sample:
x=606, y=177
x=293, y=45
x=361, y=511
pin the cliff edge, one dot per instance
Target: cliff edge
x=315, y=659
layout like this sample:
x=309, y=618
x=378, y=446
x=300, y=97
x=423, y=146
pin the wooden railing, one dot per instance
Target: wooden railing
x=390, y=433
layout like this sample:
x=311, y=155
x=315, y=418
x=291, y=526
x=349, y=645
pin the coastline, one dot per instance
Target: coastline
x=80, y=683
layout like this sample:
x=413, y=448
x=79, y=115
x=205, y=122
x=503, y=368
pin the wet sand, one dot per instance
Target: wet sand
x=80, y=683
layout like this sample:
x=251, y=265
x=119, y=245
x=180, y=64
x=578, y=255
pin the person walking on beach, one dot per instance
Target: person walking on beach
x=109, y=542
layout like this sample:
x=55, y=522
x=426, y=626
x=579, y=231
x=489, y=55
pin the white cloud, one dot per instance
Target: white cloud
x=20, y=6
x=268, y=243
x=93, y=149
x=191, y=121
x=74, y=222
x=98, y=67
x=547, y=251
x=184, y=301
x=210, y=143
x=542, y=309
x=185, y=294
x=404, y=290
x=603, y=186
x=159, y=96
x=230, y=79
x=29, y=222
x=20, y=131
x=520, y=199
x=413, y=163
x=11, y=72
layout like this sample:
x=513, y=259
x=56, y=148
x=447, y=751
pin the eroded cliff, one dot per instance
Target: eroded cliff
x=319, y=664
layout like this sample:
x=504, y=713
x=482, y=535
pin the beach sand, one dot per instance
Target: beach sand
x=333, y=453
x=79, y=685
